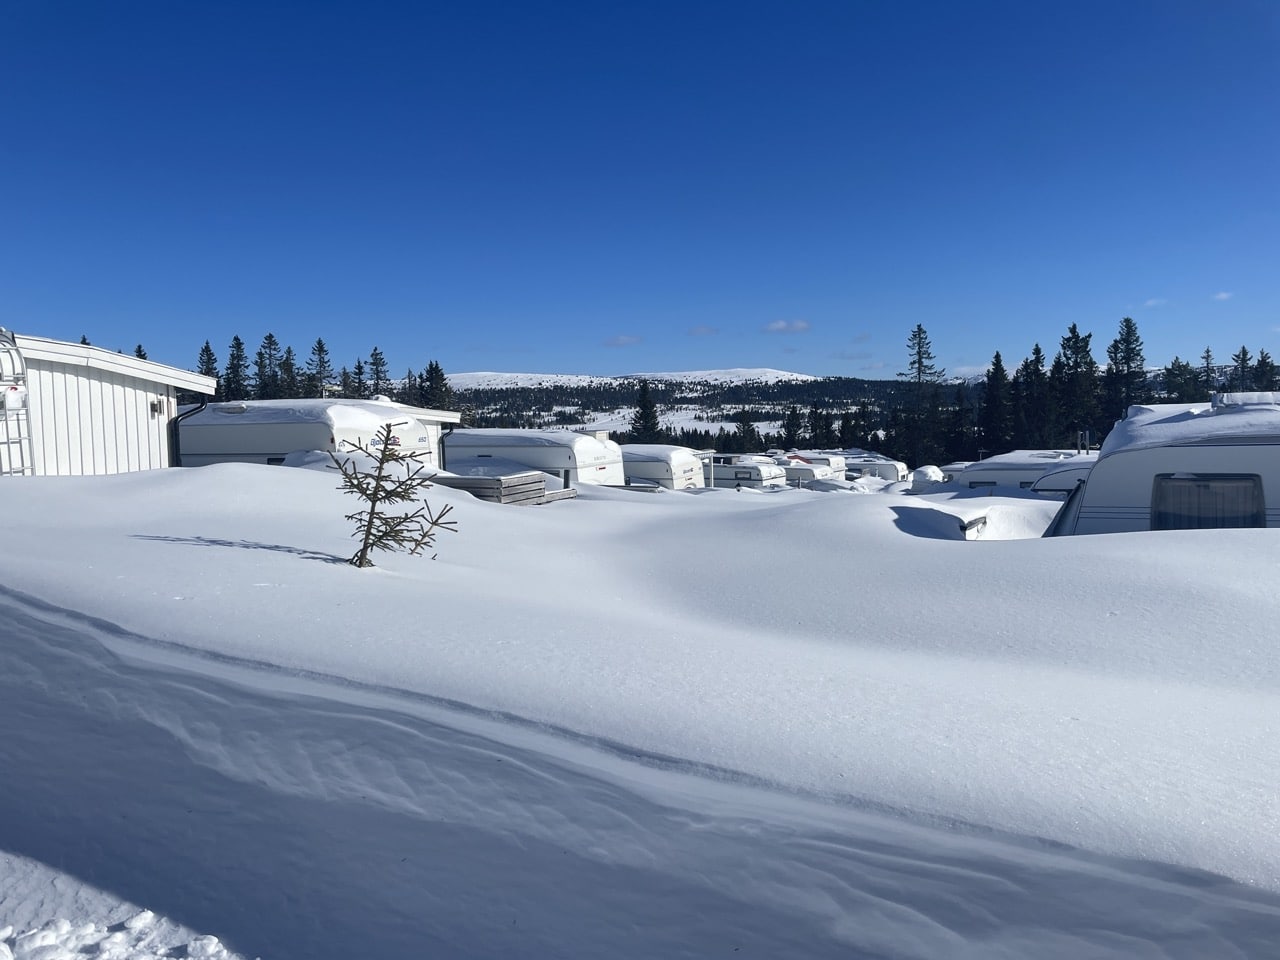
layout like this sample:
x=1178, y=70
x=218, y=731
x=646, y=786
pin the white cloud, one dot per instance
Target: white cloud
x=704, y=331
x=1155, y=302
x=622, y=340
x=1222, y=295
x=787, y=326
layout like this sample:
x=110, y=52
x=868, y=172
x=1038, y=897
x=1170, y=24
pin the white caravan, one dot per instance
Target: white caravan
x=862, y=463
x=565, y=454
x=1018, y=469
x=267, y=431
x=1179, y=466
x=752, y=471
x=801, y=472
x=664, y=465
x=835, y=461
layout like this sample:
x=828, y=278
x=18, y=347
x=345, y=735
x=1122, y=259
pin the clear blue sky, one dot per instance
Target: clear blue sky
x=614, y=187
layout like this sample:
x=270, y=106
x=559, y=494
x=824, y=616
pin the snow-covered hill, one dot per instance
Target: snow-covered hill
x=489, y=380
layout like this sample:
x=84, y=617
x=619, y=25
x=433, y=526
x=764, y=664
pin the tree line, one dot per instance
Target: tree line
x=1069, y=402
x=275, y=373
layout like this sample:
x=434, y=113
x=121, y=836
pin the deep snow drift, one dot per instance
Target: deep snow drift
x=802, y=724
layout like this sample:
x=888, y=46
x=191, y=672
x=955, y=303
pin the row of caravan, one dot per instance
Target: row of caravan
x=1210, y=465
x=268, y=431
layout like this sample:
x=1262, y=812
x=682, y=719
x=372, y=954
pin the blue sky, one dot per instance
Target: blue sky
x=621, y=187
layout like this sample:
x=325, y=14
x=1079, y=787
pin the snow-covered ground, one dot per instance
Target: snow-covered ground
x=800, y=724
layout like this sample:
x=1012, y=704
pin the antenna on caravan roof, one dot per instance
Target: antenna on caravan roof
x=16, y=455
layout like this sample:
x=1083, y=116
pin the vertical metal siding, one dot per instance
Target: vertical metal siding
x=87, y=421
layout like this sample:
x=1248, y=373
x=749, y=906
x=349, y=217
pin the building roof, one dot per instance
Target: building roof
x=43, y=350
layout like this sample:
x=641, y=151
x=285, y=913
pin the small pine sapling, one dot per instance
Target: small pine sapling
x=396, y=478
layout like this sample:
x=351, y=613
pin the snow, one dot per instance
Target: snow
x=1245, y=416
x=673, y=724
x=492, y=380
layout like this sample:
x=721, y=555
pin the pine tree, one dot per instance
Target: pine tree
x=378, y=373
x=919, y=439
x=235, y=376
x=359, y=386
x=1208, y=372
x=1182, y=382
x=995, y=422
x=436, y=393
x=645, y=426
x=207, y=366
x=1265, y=372
x=746, y=436
x=1241, y=380
x=1125, y=381
x=1030, y=405
x=792, y=425
x=140, y=353
x=1076, y=388
x=396, y=478
x=84, y=341
x=290, y=383
x=319, y=369
x=266, y=369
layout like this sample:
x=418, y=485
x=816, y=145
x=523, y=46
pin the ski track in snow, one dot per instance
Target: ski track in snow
x=294, y=817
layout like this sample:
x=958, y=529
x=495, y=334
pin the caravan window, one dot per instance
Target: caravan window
x=1198, y=501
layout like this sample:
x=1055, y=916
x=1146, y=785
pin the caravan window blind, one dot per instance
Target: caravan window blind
x=1199, y=501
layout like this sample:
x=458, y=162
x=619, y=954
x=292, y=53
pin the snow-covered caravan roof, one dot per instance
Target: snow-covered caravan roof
x=1029, y=460
x=1232, y=418
x=335, y=412
x=522, y=438
x=656, y=452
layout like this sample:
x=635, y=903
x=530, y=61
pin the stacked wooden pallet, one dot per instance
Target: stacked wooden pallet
x=523, y=489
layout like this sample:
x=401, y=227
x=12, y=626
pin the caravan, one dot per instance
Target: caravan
x=569, y=456
x=663, y=465
x=744, y=471
x=1183, y=466
x=1018, y=469
x=267, y=431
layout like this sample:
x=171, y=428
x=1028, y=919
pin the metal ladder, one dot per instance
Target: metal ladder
x=17, y=457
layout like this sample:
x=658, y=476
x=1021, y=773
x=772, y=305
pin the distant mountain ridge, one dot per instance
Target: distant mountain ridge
x=741, y=375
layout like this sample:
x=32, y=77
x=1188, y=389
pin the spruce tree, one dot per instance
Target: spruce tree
x=207, y=366
x=319, y=369
x=1241, y=377
x=396, y=478
x=792, y=425
x=1182, y=382
x=359, y=385
x=140, y=353
x=437, y=394
x=1265, y=372
x=1124, y=382
x=290, y=383
x=266, y=369
x=235, y=376
x=1208, y=372
x=1076, y=387
x=919, y=439
x=1034, y=413
x=645, y=426
x=995, y=422
x=378, y=373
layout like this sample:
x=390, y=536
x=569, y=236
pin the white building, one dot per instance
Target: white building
x=71, y=409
